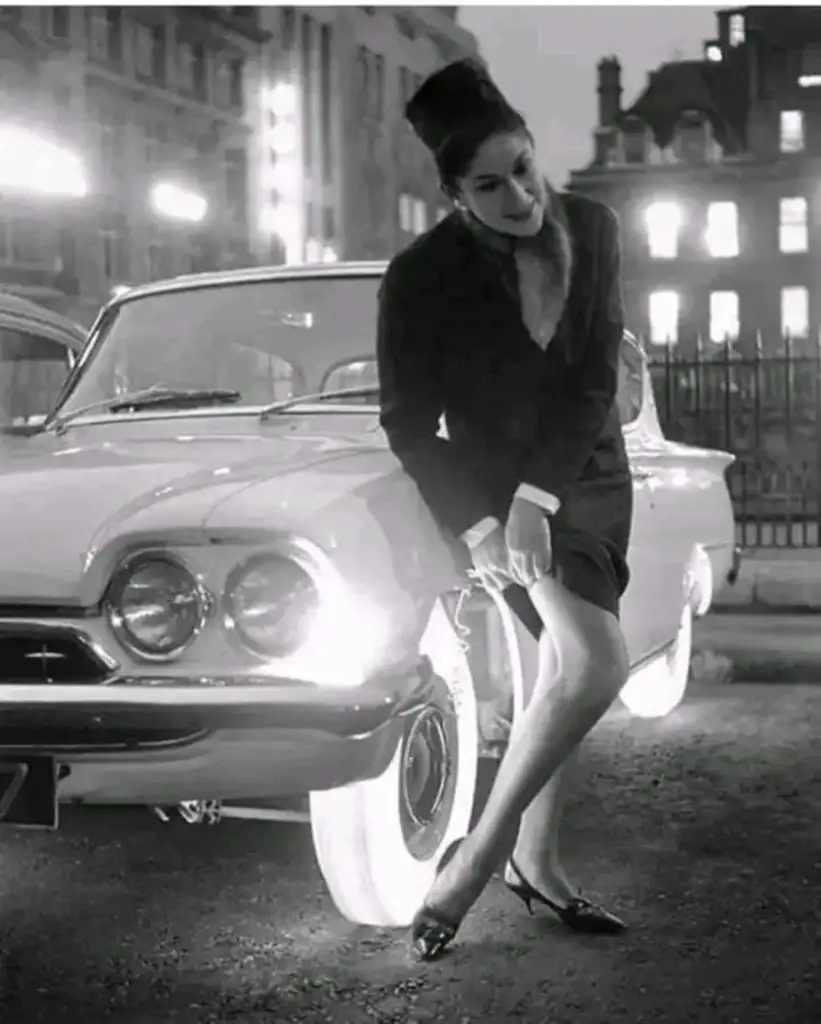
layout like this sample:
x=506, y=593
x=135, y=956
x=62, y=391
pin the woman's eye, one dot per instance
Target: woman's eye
x=489, y=186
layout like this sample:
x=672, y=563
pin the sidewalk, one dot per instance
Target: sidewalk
x=757, y=648
x=767, y=627
x=777, y=580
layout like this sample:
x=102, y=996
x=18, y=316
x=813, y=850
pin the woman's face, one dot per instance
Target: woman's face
x=503, y=187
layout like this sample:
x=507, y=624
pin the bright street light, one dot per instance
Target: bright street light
x=282, y=100
x=284, y=177
x=282, y=220
x=283, y=138
x=177, y=203
x=33, y=164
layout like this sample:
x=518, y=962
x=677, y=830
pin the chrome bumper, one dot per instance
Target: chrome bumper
x=130, y=711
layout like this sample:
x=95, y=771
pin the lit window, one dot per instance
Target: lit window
x=810, y=75
x=722, y=229
x=406, y=213
x=736, y=29
x=663, y=222
x=795, y=312
x=724, y=317
x=713, y=52
x=663, y=310
x=420, y=216
x=791, y=139
x=792, y=225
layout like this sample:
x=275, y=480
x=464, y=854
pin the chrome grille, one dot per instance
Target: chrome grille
x=51, y=657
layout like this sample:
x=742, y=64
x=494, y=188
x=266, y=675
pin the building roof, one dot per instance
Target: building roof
x=701, y=85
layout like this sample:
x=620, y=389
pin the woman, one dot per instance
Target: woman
x=507, y=318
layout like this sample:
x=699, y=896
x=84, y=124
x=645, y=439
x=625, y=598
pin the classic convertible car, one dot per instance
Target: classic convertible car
x=220, y=593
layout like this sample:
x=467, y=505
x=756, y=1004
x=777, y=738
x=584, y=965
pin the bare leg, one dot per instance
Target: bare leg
x=592, y=667
x=537, y=852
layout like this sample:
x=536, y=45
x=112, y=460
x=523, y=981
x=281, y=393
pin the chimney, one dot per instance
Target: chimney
x=609, y=91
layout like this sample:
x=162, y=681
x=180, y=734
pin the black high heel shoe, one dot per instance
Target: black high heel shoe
x=580, y=915
x=431, y=931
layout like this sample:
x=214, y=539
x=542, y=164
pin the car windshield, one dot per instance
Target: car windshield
x=270, y=341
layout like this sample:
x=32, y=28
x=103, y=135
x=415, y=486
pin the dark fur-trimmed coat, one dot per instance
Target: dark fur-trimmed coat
x=451, y=339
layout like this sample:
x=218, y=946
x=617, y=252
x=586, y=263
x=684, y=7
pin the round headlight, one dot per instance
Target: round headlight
x=155, y=606
x=271, y=605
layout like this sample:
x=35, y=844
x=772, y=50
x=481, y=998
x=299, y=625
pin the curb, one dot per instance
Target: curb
x=774, y=580
x=724, y=669
x=747, y=646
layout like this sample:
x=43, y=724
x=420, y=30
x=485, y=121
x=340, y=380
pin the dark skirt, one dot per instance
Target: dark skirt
x=590, y=535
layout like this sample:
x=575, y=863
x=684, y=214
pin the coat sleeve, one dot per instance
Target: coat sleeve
x=570, y=428
x=411, y=404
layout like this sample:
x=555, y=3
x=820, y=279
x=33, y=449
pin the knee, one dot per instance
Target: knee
x=609, y=661
x=594, y=660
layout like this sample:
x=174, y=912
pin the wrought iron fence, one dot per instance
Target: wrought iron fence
x=762, y=404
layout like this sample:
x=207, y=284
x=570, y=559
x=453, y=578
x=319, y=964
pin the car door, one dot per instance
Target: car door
x=651, y=607
x=37, y=351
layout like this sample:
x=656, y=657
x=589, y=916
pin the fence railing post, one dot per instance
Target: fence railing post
x=756, y=401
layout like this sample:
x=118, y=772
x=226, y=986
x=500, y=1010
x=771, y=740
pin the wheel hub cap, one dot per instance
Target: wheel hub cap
x=426, y=769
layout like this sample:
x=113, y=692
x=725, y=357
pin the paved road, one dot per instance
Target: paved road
x=703, y=830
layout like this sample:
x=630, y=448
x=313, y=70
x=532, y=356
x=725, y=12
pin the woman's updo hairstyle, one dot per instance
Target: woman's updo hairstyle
x=454, y=111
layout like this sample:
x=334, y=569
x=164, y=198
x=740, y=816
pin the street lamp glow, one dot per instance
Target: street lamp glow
x=282, y=138
x=282, y=100
x=29, y=163
x=177, y=203
x=282, y=220
x=284, y=177
x=319, y=252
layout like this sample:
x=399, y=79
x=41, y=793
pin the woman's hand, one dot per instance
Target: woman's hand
x=527, y=534
x=490, y=561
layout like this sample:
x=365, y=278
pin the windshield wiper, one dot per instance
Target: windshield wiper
x=317, y=396
x=147, y=398
x=179, y=398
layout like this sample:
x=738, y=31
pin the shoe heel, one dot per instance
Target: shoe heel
x=523, y=896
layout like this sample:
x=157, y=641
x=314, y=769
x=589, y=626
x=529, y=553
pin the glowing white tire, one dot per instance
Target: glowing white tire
x=658, y=688
x=378, y=872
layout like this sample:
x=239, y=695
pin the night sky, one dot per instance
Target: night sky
x=545, y=59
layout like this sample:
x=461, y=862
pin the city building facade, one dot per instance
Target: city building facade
x=361, y=185
x=715, y=172
x=150, y=102
x=143, y=142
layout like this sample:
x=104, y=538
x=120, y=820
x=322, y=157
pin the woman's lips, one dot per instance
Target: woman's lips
x=520, y=218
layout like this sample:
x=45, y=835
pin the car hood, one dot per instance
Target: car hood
x=62, y=503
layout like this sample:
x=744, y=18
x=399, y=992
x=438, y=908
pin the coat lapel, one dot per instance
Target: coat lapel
x=481, y=289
